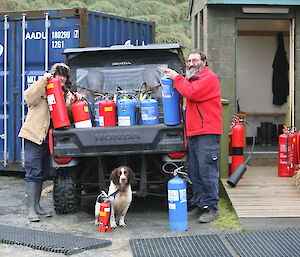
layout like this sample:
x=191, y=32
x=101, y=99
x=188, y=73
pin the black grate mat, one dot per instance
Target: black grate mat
x=49, y=241
x=186, y=246
x=281, y=243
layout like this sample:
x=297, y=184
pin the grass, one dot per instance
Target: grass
x=227, y=219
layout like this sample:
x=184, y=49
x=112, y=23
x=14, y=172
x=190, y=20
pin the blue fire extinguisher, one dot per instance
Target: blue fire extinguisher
x=177, y=201
x=126, y=111
x=171, y=102
x=149, y=112
x=96, y=114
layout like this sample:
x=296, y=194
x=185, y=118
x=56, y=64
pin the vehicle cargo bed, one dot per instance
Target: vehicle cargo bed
x=105, y=141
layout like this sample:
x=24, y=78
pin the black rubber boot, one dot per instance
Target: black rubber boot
x=208, y=214
x=31, y=189
x=38, y=208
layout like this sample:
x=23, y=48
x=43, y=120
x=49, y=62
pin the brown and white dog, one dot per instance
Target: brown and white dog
x=119, y=194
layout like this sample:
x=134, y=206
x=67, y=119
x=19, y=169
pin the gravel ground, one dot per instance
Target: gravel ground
x=146, y=218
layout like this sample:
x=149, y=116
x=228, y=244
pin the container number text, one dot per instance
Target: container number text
x=57, y=44
x=60, y=34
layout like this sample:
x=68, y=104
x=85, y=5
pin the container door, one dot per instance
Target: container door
x=10, y=57
x=45, y=40
x=5, y=109
x=28, y=47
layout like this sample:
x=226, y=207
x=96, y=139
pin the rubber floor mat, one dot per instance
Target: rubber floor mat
x=186, y=246
x=279, y=243
x=49, y=241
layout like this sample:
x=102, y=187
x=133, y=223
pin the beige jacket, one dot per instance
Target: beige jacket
x=36, y=125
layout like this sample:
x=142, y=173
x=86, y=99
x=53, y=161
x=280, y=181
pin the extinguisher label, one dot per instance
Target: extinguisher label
x=173, y=195
x=148, y=113
x=182, y=194
x=282, y=148
x=101, y=121
x=166, y=92
x=107, y=209
x=172, y=206
x=86, y=109
x=102, y=213
x=83, y=124
x=49, y=86
x=51, y=99
x=108, y=109
x=124, y=120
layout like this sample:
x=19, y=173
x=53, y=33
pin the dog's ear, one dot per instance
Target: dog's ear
x=114, y=176
x=131, y=176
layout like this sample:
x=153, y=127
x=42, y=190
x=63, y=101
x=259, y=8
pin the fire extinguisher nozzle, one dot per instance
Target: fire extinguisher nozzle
x=236, y=175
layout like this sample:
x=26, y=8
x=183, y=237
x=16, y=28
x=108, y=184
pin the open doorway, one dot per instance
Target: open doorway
x=257, y=42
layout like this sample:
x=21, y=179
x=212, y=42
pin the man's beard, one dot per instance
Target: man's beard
x=190, y=72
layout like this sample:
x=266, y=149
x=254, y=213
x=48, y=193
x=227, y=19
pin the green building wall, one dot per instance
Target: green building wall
x=214, y=31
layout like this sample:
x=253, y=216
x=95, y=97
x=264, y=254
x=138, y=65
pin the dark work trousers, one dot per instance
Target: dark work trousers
x=203, y=169
x=37, y=161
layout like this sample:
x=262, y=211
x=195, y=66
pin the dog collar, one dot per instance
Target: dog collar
x=113, y=195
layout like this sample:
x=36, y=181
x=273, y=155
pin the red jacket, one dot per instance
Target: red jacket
x=203, y=107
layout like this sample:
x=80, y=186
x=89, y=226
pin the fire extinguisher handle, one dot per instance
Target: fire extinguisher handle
x=48, y=75
x=74, y=98
x=78, y=97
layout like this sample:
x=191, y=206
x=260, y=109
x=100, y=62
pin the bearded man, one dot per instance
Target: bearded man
x=202, y=91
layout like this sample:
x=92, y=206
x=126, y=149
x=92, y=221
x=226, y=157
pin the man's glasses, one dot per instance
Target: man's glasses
x=193, y=61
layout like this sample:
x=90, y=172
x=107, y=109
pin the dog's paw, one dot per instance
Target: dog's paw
x=113, y=225
x=122, y=224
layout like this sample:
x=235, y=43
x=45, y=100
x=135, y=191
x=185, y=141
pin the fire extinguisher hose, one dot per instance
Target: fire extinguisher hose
x=287, y=151
x=253, y=143
x=241, y=169
x=176, y=171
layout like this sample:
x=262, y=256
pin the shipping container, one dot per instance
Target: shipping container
x=32, y=41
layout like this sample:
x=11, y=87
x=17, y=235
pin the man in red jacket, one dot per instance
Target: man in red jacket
x=203, y=124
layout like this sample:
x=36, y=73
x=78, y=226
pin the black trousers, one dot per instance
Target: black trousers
x=37, y=161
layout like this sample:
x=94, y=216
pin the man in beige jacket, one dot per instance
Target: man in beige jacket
x=35, y=133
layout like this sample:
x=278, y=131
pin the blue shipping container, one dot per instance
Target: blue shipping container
x=32, y=41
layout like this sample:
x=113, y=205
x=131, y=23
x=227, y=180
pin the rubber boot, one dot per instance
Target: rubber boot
x=38, y=208
x=31, y=188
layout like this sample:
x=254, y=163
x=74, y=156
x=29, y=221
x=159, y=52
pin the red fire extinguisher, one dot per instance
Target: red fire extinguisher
x=298, y=151
x=107, y=113
x=287, y=153
x=57, y=104
x=104, y=217
x=81, y=115
x=238, y=139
